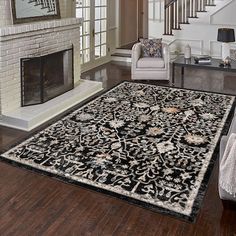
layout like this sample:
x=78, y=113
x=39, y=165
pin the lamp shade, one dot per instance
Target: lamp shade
x=226, y=35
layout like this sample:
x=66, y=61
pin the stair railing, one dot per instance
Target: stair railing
x=177, y=12
x=171, y=16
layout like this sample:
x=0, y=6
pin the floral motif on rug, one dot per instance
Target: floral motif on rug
x=146, y=143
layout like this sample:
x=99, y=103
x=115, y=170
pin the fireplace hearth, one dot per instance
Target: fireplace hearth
x=46, y=77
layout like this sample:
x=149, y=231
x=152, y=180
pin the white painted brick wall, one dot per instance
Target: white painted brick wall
x=31, y=40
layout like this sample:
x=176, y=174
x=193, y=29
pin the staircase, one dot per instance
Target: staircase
x=182, y=22
x=178, y=12
x=123, y=53
x=48, y=5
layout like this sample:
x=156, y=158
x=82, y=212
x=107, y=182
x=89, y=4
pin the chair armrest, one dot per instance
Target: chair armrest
x=136, y=53
x=224, y=138
x=166, y=57
x=223, y=142
x=232, y=128
x=165, y=53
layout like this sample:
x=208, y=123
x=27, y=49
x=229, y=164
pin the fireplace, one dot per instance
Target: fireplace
x=46, y=77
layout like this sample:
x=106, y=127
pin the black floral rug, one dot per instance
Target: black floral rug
x=150, y=145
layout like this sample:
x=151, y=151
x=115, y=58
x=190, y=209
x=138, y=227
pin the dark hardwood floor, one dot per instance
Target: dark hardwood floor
x=33, y=204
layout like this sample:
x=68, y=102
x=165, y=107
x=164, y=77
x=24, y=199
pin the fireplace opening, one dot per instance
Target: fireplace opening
x=46, y=77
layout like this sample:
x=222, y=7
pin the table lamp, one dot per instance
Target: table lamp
x=226, y=36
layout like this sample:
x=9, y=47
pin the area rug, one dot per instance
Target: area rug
x=147, y=144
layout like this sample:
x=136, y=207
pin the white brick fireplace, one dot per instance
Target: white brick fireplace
x=32, y=40
x=27, y=41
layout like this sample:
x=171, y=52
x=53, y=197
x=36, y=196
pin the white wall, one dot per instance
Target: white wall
x=156, y=18
x=226, y=15
x=67, y=8
x=202, y=36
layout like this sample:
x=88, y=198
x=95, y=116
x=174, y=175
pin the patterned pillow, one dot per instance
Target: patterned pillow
x=151, y=47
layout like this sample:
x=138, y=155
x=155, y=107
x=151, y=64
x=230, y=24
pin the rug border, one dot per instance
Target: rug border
x=203, y=186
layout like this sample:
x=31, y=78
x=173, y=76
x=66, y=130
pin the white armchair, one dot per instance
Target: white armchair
x=225, y=196
x=150, y=68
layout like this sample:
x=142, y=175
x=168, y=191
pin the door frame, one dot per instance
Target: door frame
x=145, y=18
x=144, y=21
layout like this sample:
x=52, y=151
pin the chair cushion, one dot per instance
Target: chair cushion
x=151, y=47
x=150, y=62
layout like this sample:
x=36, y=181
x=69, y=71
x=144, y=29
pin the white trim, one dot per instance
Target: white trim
x=186, y=41
x=122, y=59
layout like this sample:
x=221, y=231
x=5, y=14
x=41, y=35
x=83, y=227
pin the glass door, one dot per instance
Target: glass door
x=100, y=28
x=83, y=10
x=93, y=33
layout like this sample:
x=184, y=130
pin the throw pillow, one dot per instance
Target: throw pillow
x=151, y=47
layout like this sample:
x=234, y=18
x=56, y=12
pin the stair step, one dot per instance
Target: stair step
x=211, y=5
x=169, y=34
x=176, y=28
x=123, y=51
x=193, y=17
x=184, y=23
x=121, y=55
x=202, y=11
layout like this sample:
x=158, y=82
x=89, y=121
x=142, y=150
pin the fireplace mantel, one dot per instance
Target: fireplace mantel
x=19, y=30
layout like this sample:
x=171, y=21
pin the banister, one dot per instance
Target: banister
x=170, y=2
x=177, y=12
